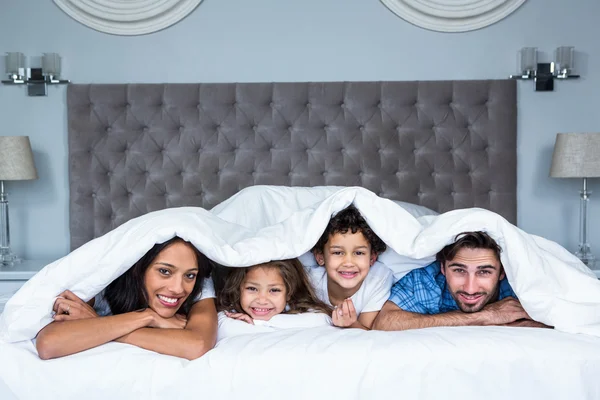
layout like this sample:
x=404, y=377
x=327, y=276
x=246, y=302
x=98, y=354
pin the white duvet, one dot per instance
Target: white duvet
x=264, y=223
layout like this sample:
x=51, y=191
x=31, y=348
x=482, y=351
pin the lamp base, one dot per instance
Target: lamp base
x=8, y=259
x=587, y=258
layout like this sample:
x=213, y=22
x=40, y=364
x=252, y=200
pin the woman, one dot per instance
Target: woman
x=157, y=304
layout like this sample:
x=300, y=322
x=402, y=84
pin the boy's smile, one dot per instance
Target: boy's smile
x=347, y=258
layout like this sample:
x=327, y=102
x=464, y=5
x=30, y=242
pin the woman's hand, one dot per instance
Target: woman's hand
x=344, y=315
x=175, y=322
x=69, y=307
x=240, y=317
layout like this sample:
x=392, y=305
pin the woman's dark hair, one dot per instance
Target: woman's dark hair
x=469, y=240
x=349, y=219
x=127, y=293
x=300, y=295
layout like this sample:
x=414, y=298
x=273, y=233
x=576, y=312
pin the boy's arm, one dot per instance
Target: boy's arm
x=366, y=320
x=393, y=318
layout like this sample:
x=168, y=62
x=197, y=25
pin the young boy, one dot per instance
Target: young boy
x=351, y=280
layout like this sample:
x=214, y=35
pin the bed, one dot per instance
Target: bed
x=447, y=146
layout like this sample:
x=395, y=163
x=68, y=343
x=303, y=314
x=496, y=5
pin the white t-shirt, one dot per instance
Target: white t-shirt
x=103, y=309
x=372, y=294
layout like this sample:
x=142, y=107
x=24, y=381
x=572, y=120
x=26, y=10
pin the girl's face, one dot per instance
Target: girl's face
x=170, y=278
x=263, y=293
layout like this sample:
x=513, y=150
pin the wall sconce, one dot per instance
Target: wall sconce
x=36, y=79
x=544, y=74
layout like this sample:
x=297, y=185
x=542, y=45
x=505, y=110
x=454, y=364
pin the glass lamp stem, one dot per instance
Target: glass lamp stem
x=6, y=256
x=584, y=252
x=4, y=226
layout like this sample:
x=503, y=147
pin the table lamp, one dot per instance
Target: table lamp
x=577, y=155
x=16, y=163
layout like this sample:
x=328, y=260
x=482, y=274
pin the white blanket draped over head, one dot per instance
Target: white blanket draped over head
x=264, y=223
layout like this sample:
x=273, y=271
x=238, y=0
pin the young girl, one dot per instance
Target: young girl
x=263, y=291
x=162, y=290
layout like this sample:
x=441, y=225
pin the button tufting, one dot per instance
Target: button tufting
x=271, y=104
x=108, y=129
x=94, y=195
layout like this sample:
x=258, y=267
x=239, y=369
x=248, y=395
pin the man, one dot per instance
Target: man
x=466, y=285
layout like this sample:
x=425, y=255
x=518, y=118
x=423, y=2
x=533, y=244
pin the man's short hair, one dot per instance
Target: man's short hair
x=349, y=219
x=469, y=240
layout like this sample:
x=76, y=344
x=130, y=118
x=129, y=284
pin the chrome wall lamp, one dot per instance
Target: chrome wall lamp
x=36, y=79
x=544, y=74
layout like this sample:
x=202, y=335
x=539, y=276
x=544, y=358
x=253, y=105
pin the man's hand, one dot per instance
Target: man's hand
x=528, y=323
x=69, y=307
x=240, y=317
x=344, y=315
x=505, y=311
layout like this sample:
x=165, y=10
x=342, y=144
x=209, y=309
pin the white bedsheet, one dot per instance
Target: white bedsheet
x=325, y=363
x=264, y=223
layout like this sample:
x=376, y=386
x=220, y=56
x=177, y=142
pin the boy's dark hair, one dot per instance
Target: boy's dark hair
x=349, y=219
x=469, y=240
x=301, y=295
x=127, y=293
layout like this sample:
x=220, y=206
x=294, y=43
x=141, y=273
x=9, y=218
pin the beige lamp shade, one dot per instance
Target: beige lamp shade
x=16, y=159
x=576, y=155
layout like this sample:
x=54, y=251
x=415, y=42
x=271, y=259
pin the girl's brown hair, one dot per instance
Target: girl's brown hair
x=300, y=295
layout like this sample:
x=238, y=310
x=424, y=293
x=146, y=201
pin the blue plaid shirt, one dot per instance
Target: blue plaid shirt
x=424, y=291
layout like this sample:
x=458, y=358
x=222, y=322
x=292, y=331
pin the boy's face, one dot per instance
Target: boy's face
x=347, y=258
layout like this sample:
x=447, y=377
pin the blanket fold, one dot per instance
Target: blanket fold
x=264, y=223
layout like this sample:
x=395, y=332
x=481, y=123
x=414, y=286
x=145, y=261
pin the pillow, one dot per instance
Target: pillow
x=416, y=210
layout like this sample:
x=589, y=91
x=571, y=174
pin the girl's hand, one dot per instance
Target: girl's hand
x=175, y=322
x=344, y=315
x=69, y=307
x=240, y=317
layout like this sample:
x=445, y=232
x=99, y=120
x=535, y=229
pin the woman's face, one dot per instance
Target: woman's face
x=263, y=293
x=170, y=278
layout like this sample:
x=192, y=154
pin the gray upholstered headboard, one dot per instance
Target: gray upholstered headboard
x=140, y=148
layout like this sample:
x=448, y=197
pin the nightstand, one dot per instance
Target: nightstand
x=12, y=278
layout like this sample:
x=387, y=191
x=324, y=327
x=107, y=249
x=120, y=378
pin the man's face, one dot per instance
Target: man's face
x=473, y=277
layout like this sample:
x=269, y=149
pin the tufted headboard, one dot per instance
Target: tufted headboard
x=143, y=147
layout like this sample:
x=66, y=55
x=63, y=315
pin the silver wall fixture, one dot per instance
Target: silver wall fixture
x=544, y=74
x=36, y=79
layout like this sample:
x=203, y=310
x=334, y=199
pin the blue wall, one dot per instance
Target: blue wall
x=310, y=40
